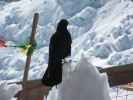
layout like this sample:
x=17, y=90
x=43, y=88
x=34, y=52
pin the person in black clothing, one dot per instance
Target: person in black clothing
x=59, y=48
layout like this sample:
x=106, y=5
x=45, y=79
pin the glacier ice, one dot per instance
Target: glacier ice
x=84, y=18
x=102, y=50
x=99, y=28
x=77, y=5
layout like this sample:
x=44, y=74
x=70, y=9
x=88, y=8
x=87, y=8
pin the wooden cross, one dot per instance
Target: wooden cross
x=32, y=90
x=28, y=59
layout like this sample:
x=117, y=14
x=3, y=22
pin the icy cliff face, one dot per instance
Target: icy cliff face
x=111, y=32
x=16, y=20
x=73, y=7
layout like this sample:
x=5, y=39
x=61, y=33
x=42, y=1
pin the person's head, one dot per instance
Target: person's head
x=62, y=25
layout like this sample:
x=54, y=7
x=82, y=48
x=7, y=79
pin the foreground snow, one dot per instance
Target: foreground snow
x=7, y=92
x=80, y=82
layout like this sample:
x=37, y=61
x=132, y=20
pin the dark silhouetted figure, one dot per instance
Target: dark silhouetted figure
x=59, y=48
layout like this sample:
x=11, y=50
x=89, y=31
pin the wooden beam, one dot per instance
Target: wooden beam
x=11, y=0
x=128, y=87
x=119, y=75
x=35, y=87
x=30, y=83
x=22, y=96
x=32, y=38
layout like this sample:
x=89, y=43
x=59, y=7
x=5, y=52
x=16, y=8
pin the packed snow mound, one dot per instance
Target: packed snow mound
x=81, y=82
x=7, y=92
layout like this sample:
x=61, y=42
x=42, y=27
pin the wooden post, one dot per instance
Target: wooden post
x=28, y=59
x=32, y=38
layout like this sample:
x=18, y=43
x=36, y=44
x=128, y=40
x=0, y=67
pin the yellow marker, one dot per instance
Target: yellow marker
x=25, y=50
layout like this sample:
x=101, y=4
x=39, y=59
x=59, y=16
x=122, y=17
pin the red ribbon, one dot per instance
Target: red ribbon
x=2, y=42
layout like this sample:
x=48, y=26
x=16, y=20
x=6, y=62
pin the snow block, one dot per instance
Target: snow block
x=116, y=32
x=102, y=50
x=85, y=16
x=123, y=43
x=114, y=59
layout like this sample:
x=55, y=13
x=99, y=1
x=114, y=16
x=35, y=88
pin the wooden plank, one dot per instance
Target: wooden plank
x=117, y=68
x=30, y=83
x=35, y=87
x=128, y=87
x=11, y=0
x=119, y=75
